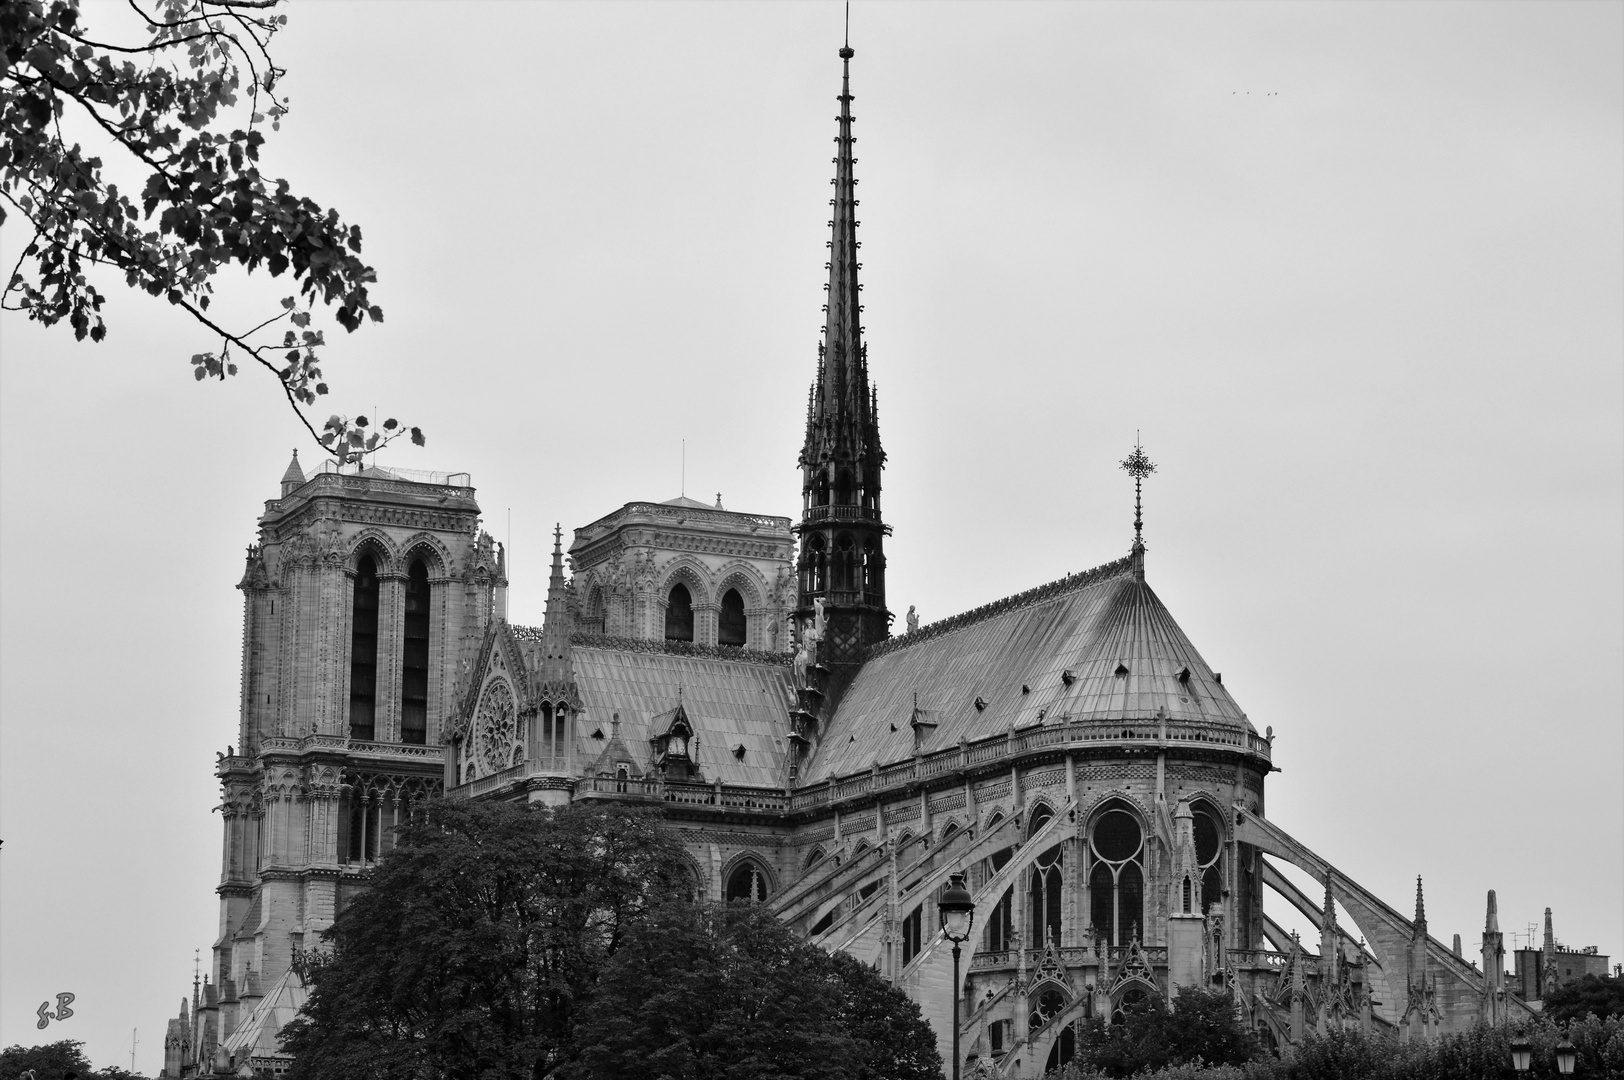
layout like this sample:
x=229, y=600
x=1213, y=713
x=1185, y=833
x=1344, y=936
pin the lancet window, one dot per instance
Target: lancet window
x=414, y=662
x=730, y=622
x=679, y=614
x=747, y=882
x=1044, y=886
x=913, y=925
x=1116, y=883
x=1001, y=920
x=550, y=735
x=1209, y=850
x=364, y=651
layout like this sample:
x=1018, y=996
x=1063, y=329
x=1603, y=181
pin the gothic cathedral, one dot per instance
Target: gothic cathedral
x=1066, y=749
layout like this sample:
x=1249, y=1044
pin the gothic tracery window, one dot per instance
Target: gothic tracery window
x=1043, y=901
x=414, y=661
x=1209, y=849
x=730, y=623
x=679, y=614
x=748, y=882
x=364, y=651
x=1116, y=884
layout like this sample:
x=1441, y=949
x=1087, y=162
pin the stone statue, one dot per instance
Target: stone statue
x=913, y=619
x=802, y=662
x=772, y=634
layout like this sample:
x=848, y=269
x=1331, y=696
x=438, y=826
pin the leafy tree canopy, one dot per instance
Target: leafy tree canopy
x=729, y=992
x=1200, y=1026
x=1599, y=994
x=55, y=1061
x=186, y=103
x=480, y=936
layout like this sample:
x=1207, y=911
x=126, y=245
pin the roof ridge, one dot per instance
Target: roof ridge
x=1069, y=583
x=734, y=653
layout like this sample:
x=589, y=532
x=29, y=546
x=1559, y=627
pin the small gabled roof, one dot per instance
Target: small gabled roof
x=259, y=1036
x=1094, y=646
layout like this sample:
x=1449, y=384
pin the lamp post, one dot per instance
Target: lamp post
x=1566, y=1057
x=1522, y=1054
x=958, y=913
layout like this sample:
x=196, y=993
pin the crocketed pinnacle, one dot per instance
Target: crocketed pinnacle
x=841, y=424
x=1420, y=905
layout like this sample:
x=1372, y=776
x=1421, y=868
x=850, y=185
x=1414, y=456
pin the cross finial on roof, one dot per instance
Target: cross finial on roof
x=1138, y=466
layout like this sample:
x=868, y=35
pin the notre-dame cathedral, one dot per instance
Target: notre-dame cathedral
x=1067, y=749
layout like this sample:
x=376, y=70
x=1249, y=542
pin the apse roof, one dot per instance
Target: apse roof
x=999, y=667
x=730, y=703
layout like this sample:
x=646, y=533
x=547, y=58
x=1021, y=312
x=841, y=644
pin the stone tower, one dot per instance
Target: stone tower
x=842, y=559
x=363, y=603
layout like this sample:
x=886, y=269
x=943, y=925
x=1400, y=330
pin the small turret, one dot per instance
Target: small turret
x=293, y=477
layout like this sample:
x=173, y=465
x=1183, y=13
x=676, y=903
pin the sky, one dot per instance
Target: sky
x=1351, y=272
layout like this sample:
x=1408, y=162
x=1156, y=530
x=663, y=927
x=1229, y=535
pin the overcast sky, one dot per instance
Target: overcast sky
x=1353, y=271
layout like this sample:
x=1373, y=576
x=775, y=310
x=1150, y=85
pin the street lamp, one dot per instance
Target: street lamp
x=1566, y=1057
x=958, y=914
x=1522, y=1054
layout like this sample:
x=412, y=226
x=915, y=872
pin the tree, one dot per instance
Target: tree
x=1599, y=994
x=705, y=991
x=477, y=941
x=56, y=1061
x=893, y=1042
x=168, y=100
x=1200, y=1026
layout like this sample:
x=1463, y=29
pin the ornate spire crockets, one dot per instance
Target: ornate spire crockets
x=842, y=560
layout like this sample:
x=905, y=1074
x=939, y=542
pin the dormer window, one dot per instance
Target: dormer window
x=674, y=744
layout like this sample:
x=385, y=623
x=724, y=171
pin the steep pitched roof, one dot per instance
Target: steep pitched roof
x=258, y=1036
x=730, y=703
x=1107, y=628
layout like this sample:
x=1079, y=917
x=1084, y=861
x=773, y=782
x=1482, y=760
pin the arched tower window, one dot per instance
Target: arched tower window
x=747, y=882
x=1209, y=849
x=1044, y=887
x=845, y=562
x=679, y=614
x=414, y=661
x=1116, y=884
x=364, y=651
x=730, y=624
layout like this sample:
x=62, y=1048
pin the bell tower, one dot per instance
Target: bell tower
x=841, y=574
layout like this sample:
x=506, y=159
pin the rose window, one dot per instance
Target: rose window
x=494, y=726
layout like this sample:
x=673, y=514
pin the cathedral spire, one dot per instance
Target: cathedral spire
x=842, y=536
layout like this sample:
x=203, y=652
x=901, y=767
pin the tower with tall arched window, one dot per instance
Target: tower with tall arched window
x=364, y=599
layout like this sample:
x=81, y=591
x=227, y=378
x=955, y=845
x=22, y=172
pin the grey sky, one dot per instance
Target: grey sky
x=1353, y=271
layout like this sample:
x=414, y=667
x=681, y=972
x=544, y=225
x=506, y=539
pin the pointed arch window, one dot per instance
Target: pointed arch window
x=414, y=661
x=913, y=925
x=845, y=562
x=730, y=624
x=364, y=651
x=1209, y=850
x=1116, y=884
x=1044, y=886
x=748, y=883
x=1001, y=920
x=679, y=614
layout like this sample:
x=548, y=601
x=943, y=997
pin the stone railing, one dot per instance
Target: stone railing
x=1062, y=734
x=398, y=751
x=841, y=513
x=754, y=522
x=1254, y=958
x=340, y=744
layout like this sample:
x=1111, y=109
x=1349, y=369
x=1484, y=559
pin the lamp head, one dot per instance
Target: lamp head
x=1566, y=1057
x=1522, y=1054
x=958, y=911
